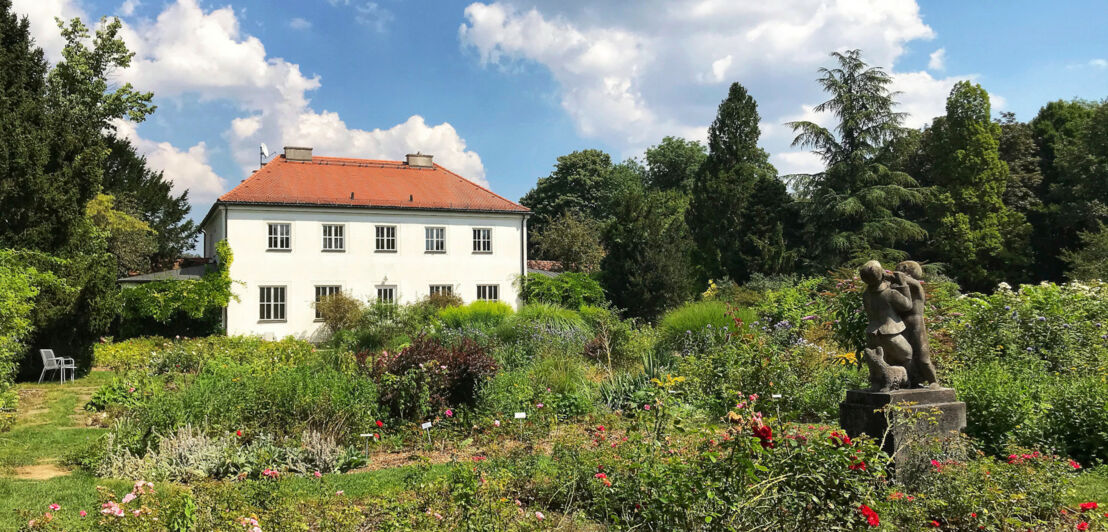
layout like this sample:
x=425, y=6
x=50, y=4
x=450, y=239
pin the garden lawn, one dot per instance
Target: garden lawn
x=51, y=421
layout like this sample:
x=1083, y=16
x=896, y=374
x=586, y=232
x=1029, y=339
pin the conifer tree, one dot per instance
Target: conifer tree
x=851, y=210
x=740, y=212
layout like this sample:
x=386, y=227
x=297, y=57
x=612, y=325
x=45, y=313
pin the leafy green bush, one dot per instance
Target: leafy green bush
x=567, y=289
x=339, y=311
x=161, y=355
x=1005, y=405
x=1062, y=325
x=17, y=293
x=747, y=477
x=190, y=307
x=483, y=315
x=700, y=326
x=76, y=303
x=284, y=401
x=1026, y=491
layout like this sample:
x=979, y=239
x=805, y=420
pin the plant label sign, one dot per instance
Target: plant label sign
x=365, y=435
x=521, y=415
x=426, y=425
x=776, y=396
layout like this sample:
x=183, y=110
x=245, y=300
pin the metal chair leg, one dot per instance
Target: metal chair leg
x=41, y=375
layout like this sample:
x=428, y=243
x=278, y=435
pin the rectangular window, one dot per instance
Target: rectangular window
x=271, y=303
x=334, y=237
x=322, y=292
x=436, y=239
x=280, y=236
x=386, y=238
x=482, y=240
x=444, y=289
x=488, y=292
x=386, y=294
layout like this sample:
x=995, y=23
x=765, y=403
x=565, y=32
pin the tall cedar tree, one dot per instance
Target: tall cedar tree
x=145, y=191
x=674, y=164
x=584, y=182
x=739, y=213
x=850, y=210
x=1057, y=124
x=56, y=125
x=971, y=230
x=647, y=270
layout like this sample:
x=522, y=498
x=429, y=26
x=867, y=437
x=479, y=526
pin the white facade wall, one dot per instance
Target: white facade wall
x=360, y=269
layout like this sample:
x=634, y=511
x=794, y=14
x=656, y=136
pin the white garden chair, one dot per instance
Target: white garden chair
x=56, y=363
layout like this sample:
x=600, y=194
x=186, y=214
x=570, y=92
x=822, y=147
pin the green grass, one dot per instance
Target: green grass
x=1092, y=485
x=45, y=428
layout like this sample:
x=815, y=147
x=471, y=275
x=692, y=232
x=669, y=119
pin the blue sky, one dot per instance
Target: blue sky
x=498, y=90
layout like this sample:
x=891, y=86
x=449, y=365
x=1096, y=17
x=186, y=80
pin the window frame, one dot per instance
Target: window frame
x=391, y=288
x=330, y=289
x=325, y=238
x=482, y=246
x=486, y=287
x=270, y=236
x=439, y=289
x=271, y=307
x=378, y=239
x=428, y=239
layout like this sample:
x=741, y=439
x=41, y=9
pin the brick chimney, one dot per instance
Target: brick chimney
x=419, y=160
x=297, y=153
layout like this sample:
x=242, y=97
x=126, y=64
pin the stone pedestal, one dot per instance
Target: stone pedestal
x=939, y=414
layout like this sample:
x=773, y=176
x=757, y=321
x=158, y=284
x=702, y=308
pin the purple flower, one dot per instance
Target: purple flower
x=808, y=318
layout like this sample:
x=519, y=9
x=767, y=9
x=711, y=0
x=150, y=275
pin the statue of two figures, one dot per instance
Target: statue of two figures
x=897, y=351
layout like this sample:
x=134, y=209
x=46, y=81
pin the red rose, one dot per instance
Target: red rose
x=1086, y=506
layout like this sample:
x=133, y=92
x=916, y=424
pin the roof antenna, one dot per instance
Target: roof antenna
x=263, y=154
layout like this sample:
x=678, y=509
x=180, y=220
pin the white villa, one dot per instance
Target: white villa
x=305, y=226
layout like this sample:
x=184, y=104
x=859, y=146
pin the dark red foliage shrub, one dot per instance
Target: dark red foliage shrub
x=451, y=375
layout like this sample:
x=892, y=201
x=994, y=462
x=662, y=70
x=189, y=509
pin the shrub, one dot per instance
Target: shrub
x=179, y=307
x=161, y=355
x=484, y=315
x=567, y=289
x=719, y=480
x=17, y=293
x=1062, y=325
x=1027, y=491
x=76, y=303
x=699, y=326
x=427, y=376
x=284, y=401
x=339, y=311
x=1005, y=405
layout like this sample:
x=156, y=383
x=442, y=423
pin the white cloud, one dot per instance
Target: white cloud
x=720, y=67
x=937, y=59
x=186, y=169
x=128, y=7
x=187, y=51
x=298, y=23
x=644, y=70
x=368, y=14
x=1098, y=63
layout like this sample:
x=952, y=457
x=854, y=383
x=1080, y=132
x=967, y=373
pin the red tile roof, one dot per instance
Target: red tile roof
x=337, y=181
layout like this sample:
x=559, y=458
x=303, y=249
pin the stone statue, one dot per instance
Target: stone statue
x=909, y=273
x=896, y=336
x=882, y=376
